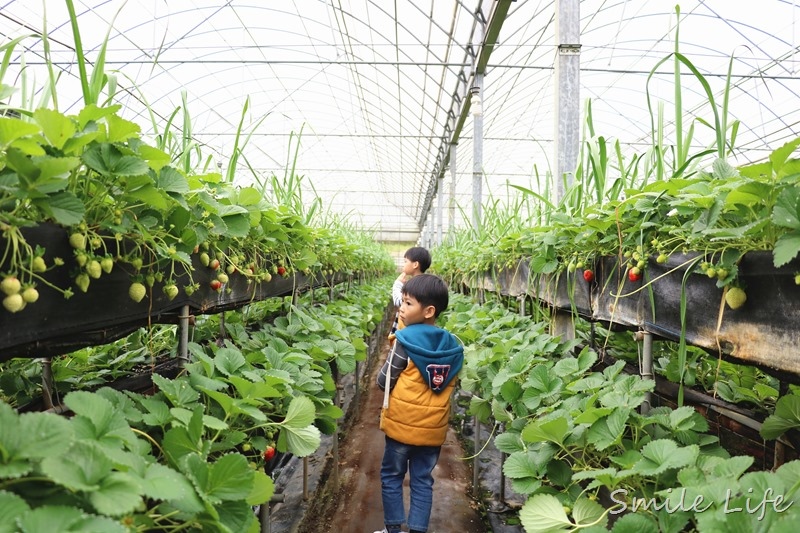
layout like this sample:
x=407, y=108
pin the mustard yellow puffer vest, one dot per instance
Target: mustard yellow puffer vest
x=417, y=415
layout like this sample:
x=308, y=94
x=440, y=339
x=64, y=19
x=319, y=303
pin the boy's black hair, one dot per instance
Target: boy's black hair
x=420, y=255
x=428, y=289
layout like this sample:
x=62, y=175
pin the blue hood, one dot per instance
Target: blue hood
x=436, y=352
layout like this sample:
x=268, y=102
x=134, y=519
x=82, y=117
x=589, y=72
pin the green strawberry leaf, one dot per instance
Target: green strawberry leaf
x=12, y=507
x=544, y=513
x=87, y=467
x=117, y=495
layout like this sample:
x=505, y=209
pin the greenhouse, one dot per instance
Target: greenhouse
x=223, y=220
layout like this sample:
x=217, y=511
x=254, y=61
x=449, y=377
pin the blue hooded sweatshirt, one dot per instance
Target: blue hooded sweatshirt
x=436, y=352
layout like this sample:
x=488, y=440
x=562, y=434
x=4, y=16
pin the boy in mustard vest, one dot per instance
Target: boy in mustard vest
x=424, y=367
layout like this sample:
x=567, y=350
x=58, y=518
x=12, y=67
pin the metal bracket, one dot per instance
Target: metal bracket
x=569, y=49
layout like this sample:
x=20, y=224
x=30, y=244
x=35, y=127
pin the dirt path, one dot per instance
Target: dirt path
x=355, y=505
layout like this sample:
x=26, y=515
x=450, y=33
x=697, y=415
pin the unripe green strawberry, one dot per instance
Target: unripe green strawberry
x=14, y=303
x=150, y=279
x=94, y=269
x=171, y=291
x=204, y=259
x=81, y=258
x=38, y=264
x=82, y=281
x=10, y=285
x=735, y=297
x=30, y=295
x=136, y=262
x=230, y=269
x=267, y=276
x=189, y=290
x=214, y=263
x=222, y=277
x=107, y=264
x=797, y=279
x=77, y=241
x=137, y=292
x=662, y=258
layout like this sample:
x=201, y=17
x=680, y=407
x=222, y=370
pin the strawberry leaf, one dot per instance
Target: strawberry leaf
x=11, y=508
x=786, y=248
x=67, y=520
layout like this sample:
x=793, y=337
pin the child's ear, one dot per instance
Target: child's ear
x=429, y=311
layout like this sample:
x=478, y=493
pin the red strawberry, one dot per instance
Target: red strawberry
x=634, y=274
x=269, y=453
x=281, y=271
x=588, y=275
x=216, y=284
x=214, y=263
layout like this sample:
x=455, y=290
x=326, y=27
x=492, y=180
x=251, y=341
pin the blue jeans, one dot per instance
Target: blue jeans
x=419, y=461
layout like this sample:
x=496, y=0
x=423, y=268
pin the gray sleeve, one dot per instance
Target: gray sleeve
x=399, y=363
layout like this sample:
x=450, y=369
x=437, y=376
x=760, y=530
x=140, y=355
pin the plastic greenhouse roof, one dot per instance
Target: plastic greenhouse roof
x=372, y=87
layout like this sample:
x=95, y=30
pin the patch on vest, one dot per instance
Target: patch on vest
x=437, y=375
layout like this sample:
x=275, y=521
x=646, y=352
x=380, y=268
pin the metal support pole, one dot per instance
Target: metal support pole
x=263, y=516
x=183, y=343
x=451, y=217
x=264, y=509
x=521, y=300
x=646, y=368
x=567, y=95
x=305, y=478
x=477, y=150
x=439, y=208
x=476, y=459
x=335, y=451
x=47, y=382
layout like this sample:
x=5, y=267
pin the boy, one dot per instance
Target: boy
x=416, y=261
x=424, y=366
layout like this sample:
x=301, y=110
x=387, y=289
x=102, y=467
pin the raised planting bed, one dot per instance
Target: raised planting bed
x=54, y=324
x=761, y=332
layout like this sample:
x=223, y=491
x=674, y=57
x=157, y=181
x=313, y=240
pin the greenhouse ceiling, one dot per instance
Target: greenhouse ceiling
x=363, y=98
